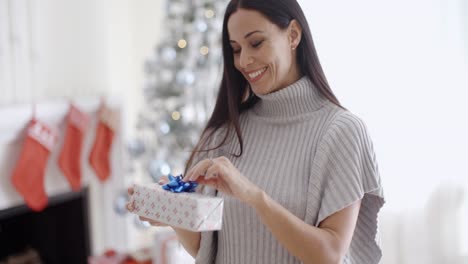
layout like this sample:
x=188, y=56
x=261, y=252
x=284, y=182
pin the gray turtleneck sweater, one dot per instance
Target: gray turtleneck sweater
x=313, y=158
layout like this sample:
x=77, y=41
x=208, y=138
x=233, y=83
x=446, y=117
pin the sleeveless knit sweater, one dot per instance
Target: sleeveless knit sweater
x=310, y=156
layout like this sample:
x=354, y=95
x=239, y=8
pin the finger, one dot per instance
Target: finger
x=210, y=182
x=142, y=218
x=212, y=172
x=163, y=180
x=130, y=206
x=130, y=190
x=189, y=174
x=200, y=169
x=152, y=222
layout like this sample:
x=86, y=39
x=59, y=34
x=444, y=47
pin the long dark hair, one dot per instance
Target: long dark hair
x=230, y=102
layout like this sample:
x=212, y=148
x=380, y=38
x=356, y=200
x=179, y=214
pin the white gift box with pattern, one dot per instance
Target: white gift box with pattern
x=190, y=211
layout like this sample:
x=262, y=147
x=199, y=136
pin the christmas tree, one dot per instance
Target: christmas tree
x=183, y=75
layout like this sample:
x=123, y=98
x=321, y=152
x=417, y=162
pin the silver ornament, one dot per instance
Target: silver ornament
x=201, y=25
x=136, y=148
x=158, y=168
x=164, y=128
x=166, y=75
x=168, y=54
x=177, y=8
x=120, y=203
x=185, y=77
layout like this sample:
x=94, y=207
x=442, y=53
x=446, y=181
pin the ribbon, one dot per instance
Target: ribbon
x=176, y=185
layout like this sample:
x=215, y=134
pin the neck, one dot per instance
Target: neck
x=300, y=97
x=294, y=75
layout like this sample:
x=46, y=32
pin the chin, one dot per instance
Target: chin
x=259, y=90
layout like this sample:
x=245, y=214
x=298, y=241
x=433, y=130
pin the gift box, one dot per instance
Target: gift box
x=191, y=211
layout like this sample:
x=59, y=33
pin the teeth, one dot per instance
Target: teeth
x=257, y=73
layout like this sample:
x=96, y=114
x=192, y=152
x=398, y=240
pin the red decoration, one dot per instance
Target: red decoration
x=100, y=153
x=28, y=175
x=70, y=156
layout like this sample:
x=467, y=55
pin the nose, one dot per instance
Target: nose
x=245, y=59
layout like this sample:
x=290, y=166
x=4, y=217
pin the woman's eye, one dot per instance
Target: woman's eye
x=257, y=44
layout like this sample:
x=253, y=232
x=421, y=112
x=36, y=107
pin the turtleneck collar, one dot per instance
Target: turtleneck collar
x=299, y=98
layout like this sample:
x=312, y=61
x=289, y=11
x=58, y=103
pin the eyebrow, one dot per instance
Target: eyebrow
x=248, y=34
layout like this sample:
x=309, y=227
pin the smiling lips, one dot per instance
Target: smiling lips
x=256, y=75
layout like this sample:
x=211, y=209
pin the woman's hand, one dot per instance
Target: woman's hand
x=222, y=175
x=130, y=205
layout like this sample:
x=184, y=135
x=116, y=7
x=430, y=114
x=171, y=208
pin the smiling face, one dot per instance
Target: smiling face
x=264, y=53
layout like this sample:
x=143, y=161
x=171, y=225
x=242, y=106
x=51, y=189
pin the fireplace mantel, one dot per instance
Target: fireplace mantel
x=103, y=220
x=58, y=234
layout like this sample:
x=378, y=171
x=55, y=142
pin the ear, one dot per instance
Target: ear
x=295, y=33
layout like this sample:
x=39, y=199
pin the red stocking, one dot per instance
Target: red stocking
x=28, y=175
x=100, y=154
x=70, y=157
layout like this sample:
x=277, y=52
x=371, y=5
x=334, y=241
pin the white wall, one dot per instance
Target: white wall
x=401, y=66
x=398, y=64
x=133, y=28
x=52, y=51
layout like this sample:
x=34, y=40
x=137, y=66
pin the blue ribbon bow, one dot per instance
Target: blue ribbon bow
x=176, y=185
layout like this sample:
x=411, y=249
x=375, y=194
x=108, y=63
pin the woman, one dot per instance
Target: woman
x=296, y=170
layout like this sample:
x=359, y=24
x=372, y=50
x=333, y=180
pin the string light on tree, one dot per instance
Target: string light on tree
x=204, y=50
x=182, y=43
x=209, y=13
x=175, y=115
